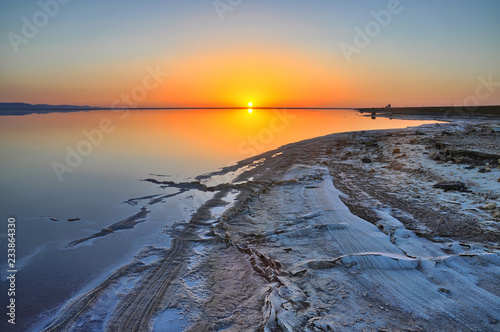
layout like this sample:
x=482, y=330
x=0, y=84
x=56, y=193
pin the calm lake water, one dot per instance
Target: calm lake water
x=86, y=164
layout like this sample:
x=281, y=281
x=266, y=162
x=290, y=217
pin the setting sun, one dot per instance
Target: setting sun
x=250, y=105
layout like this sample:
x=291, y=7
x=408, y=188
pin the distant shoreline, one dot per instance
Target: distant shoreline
x=435, y=110
x=12, y=109
x=25, y=109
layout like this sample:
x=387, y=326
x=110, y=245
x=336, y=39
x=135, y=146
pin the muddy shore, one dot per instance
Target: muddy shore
x=378, y=230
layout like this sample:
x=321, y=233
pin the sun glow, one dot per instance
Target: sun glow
x=250, y=110
x=250, y=104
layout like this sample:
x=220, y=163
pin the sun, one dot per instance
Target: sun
x=250, y=104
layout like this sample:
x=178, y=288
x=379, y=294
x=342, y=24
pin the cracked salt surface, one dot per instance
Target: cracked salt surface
x=408, y=273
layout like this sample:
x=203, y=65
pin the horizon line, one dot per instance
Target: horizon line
x=66, y=107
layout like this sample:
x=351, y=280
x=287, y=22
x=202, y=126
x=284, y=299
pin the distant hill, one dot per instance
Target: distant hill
x=23, y=108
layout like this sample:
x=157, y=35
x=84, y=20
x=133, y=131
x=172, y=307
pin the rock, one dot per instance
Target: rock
x=366, y=160
x=482, y=170
x=435, y=156
x=346, y=155
x=74, y=219
x=396, y=151
x=341, y=144
x=496, y=214
x=498, y=180
x=396, y=167
x=444, y=290
x=371, y=143
x=493, y=321
x=419, y=132
x=490, y=206
x=454, y=185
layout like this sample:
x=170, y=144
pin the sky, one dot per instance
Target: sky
x=206, y=53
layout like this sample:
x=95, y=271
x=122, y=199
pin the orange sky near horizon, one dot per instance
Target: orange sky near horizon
x=282, y=76
x=263, y=75
x=274, y=54
x=267, y=75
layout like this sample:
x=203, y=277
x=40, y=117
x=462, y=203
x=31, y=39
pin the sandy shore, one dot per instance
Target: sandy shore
x=339, y=233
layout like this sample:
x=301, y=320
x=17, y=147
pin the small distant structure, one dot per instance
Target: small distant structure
x=388, y=106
